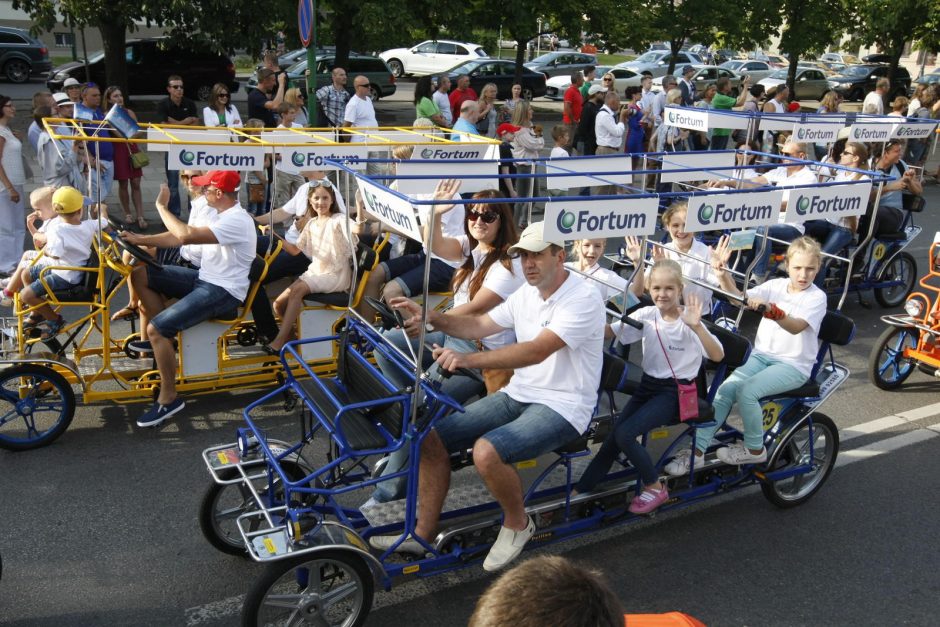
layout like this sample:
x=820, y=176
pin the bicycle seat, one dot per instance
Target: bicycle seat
x=891, y=237
x=810, y=389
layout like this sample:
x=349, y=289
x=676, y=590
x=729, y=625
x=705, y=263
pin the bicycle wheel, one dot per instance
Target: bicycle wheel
x=887, y=366
x=794, y=452
x=37, y=405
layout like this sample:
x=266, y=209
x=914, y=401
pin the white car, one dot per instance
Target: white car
x=556, y=86
x=431, y=57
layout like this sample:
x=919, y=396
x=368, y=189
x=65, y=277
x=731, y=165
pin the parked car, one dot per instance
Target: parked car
x=430, y=57
x=857, y=80
x=840, y=57
x=926, y=79
x=810, y=83
x=757, y=70
x=502, y=73
x=774, y=60
x=657, y=62
x=556, y=86
x=561, y=63
x=705, y=76
x=22, y=55
x=150, y=62
x=381, y=80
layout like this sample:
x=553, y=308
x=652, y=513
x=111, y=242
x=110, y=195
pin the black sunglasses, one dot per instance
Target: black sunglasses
x=223, y=95
x=489, y=217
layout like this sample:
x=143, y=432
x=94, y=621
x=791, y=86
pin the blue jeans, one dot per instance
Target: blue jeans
x=107, y=180
x=779, y=231
x=54, y=281
x=198, y=300
x=760, y=376
x=173, y=182
x=461, y=389
x=408, y=271
x=518, y=431
x=654, y=404
x=833, y=238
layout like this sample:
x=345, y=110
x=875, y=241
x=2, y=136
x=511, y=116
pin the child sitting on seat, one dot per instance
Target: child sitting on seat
x=587, y=254
x=323, y=240
x=680, y=241
x=674, y=341
x=783, y=356
x=68, y=244
x=41, y=201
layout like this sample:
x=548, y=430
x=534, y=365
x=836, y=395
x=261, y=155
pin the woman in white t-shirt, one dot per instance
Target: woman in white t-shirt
x=783, y=356
x=486, y=277
x=674, y=342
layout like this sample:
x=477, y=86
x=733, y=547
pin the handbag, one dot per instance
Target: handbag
x=140, y=160
x=496, y=379
x=255, y=192
x=688, y=392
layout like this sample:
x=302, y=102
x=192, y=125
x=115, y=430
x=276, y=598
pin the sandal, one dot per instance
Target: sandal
x=269, y=350
x=32, y=321
x=48, y=329
x=128, y=313
x=128, y=218
x=141, y=222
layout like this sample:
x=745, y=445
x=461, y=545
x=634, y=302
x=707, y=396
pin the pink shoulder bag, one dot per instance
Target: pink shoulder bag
x=688, y=392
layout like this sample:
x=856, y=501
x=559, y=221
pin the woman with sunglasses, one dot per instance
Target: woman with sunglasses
x=486, y=278
x=221, y=111
x=124, y=170
x=296, y=98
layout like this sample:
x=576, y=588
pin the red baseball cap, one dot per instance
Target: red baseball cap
x=224, y=180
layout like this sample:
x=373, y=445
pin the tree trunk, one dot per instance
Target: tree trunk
x=892, y=74
x=113, y=40
x=520, y=59
x=343, y=25
x=791, y=73
x=675, y=45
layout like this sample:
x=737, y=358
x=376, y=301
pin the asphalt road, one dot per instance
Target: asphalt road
x=101, y=527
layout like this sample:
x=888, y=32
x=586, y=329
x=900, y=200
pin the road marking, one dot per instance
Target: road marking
x=887, y=445
x=215, y=611
x=867, y=428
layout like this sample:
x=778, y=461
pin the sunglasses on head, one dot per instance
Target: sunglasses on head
x=315, y=183
x=489, y=217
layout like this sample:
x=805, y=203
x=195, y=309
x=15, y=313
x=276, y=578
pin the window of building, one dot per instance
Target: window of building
x=64, y=40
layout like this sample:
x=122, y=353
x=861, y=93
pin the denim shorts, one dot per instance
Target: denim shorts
x=198, y=300
x=408, y=271
x=518, y=431
x=54, y=281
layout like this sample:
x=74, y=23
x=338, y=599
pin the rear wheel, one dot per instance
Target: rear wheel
x=374, y=93
x=36, y=406
x=397, y=68
x=903, y=269
x=811, y=447
x=332, y=587
x=527, y=93
x=887, y=366
x=17, y=71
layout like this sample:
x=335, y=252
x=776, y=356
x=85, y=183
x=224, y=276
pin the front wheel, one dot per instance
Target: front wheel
x=887, y=366
x=332, y=587
x=814, y=444
x=397, y=68
x=17, y=71
x=527, y=94
x=903, y=269
x=37, y=405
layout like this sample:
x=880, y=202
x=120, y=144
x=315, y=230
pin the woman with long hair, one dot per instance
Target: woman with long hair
x=12, y=179
x=515, y=97
x=296, y=98
x=486, y=123
x=425, y=107
x=124, y=170
x=526, y=144
x=221, y=111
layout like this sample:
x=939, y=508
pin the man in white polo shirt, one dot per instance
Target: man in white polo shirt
x=559, y=325
x=217, y=288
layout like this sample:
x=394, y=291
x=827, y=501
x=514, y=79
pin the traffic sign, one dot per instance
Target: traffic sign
x=305, y=21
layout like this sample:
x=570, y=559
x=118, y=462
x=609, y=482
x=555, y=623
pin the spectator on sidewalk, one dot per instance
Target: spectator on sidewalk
x=180, y=110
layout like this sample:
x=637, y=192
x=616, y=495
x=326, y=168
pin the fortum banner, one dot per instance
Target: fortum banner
x=600, y=218
x=715, y=212
x=232, y=157
x=389, y=208
x=295, y=159
x=821, y=203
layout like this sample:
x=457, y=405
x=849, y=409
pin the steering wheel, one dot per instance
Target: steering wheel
x=136, y=251
x=460, y=372
x=117, y=225
x=390, y=317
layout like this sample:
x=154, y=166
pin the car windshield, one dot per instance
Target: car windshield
x=98, y=56
x=298, y=68
x=855, y=71
x=649, y=57
x=850, y=58
x=781, y=74
x=464, y=68
x=545, y=58
x=732, y=65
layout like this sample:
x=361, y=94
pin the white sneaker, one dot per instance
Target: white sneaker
x=679, y=466
x=410, y=546
x=737, y=455
x=509, y=544
x=5, y=301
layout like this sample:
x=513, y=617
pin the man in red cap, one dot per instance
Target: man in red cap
x=216, y=289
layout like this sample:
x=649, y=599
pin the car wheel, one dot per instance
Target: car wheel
x=17, y=71
x=856, y=95
x=527, y=93
x=374, y=93
x=204, y=92
x=397, y=68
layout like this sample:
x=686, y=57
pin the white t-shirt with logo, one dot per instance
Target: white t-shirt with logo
x=567, y=380
x=773, y=341
x=780, y=178
x=694, y=269
x=200, y=214
x=70, y=245
x=498, y=280
x=298, y=205
x=228, y=263
x=680, y=341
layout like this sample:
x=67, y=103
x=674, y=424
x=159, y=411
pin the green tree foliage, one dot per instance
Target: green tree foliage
x=808, y=28
x=890, y=25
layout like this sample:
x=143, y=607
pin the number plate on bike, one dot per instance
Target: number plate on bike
x=227, y=457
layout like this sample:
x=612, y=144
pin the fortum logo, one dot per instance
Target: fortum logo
x=675, y=118
x=584, y=222
x=187, y=157
x=814, y=205
x=201, y=159
x=814, y=134
x=721, y=213
x=313, y=160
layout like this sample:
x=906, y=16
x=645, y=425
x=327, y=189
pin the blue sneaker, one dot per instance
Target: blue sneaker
x=158, y=413
x=141, y=347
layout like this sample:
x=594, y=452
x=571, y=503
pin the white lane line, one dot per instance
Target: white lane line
x=887, y=445
x=920, y=412
x=867, y=428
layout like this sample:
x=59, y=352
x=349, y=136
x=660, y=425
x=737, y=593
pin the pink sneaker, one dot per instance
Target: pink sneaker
x=648, y=501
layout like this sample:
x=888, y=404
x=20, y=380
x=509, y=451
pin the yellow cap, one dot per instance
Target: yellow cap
x=67, y=200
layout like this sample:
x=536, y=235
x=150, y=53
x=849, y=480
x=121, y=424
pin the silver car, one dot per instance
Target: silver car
x=810, y=83
x=656, y=62
x=757, y=70
x=705, y=76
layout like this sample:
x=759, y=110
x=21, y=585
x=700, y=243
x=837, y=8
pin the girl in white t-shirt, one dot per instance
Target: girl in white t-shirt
x=783, y=356
x=674, y=342
x=682, y=242
x=587, y=254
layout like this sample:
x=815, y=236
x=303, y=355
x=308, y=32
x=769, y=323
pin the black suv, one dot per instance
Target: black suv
x=150, y=62
x=22, y=55
x=855, y=81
